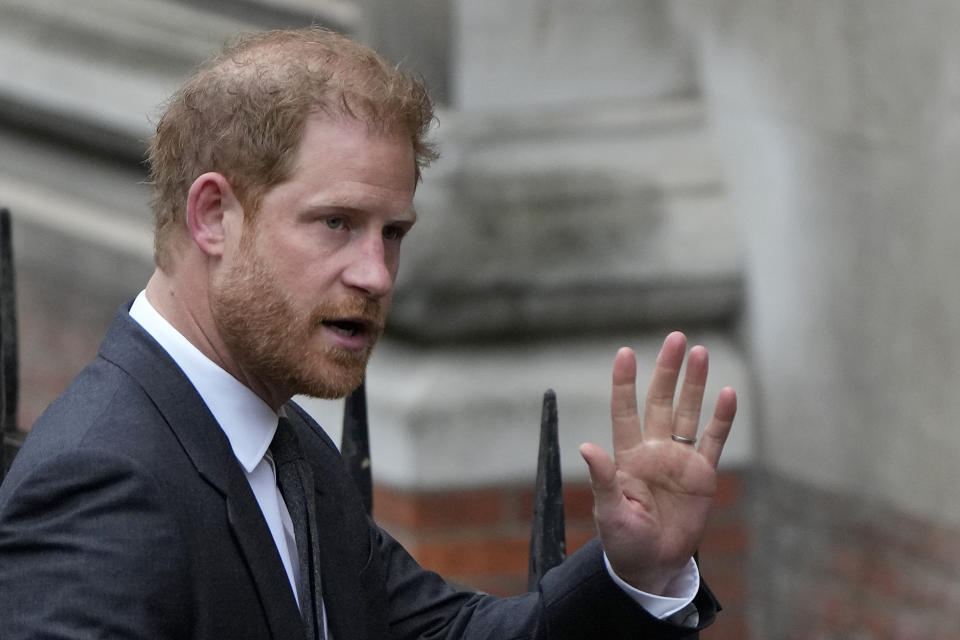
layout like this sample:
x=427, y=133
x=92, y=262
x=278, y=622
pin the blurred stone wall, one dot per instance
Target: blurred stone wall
x=838, y=125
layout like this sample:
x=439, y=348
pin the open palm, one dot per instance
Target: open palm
x=652, y=499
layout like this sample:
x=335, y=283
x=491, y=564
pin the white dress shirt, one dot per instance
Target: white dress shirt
x=249, y=424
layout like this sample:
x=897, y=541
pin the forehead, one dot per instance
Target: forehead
x=341, y=162
x=356, y=147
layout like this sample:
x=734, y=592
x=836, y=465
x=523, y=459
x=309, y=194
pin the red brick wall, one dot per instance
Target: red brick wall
x=724, y=558
x=62, y=313
x=481, y=538
x=59, y=334
x=826, y=566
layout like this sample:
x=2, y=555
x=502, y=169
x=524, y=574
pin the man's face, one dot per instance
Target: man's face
x=303, y=298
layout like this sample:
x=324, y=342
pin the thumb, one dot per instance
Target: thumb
x=603, y=476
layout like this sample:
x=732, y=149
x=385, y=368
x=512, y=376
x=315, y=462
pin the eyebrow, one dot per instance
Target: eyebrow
x=408, y=215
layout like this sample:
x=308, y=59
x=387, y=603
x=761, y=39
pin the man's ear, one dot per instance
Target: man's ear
x=212, y=211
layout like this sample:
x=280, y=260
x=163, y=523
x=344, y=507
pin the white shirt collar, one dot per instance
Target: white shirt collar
x=248, y=422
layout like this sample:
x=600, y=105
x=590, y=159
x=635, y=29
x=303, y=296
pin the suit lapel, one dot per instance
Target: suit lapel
x=132, y=349
x=342, y=590
x=269, y=575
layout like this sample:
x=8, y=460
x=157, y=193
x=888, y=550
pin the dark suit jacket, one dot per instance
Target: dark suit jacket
x=126, y=515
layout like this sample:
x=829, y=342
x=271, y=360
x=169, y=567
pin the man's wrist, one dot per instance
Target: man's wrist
x=678, y=593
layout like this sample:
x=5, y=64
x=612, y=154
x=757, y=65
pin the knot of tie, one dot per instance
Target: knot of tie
x=285, y=447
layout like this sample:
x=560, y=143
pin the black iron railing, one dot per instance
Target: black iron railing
x=9, y=367
x=547, y=537
x=548, y=541
x=355, y=444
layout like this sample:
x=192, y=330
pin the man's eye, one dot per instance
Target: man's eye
x=393, y=233
x=334, y=223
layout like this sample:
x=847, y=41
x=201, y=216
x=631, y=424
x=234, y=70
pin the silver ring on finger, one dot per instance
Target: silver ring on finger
x=683, y=440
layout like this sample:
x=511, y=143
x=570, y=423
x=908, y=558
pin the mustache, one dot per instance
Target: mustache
x=370, y=312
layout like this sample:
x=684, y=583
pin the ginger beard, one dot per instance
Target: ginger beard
x=279, y=344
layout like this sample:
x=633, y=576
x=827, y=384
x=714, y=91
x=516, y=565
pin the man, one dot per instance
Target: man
x=145, y=502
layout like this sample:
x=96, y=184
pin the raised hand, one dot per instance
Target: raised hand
x=652, y=499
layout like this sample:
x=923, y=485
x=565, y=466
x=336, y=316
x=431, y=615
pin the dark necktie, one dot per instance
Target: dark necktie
x=293, y=474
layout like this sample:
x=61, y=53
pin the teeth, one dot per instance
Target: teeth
x=344, y=330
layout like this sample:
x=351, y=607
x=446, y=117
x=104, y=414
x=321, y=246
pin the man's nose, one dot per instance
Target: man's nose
x=370, y=268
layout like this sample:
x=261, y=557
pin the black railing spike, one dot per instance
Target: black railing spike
x=548, y=545
x=9, y=363
x=355, y=444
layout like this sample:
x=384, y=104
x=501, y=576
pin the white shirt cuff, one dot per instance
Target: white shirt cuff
x=679, y=592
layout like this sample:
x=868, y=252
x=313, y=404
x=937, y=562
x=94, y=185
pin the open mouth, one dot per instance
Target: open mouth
x=347, y=328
